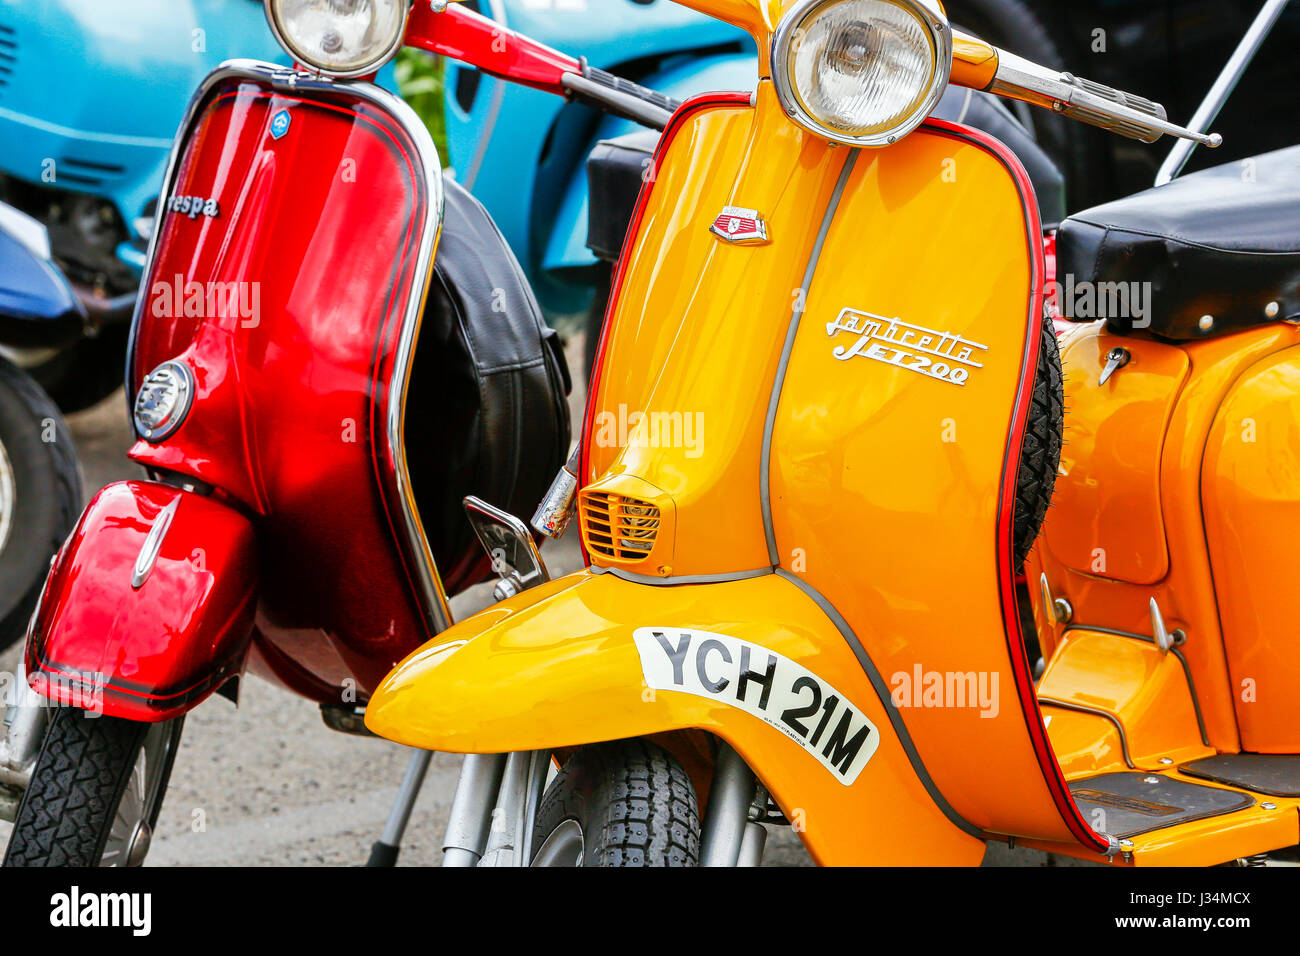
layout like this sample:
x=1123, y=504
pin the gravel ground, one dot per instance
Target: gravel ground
x=268, y=784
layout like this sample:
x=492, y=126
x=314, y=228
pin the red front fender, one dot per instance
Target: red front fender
x=147, y=643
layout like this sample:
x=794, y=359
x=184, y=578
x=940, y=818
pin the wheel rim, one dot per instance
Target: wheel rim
x=132, y=828
x=564, y=846
x=6, y=496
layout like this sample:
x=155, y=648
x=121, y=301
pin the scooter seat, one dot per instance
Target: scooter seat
x=616, y=167
x=1220, y=249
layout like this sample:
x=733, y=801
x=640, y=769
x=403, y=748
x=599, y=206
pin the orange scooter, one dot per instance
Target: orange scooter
x=808, y=473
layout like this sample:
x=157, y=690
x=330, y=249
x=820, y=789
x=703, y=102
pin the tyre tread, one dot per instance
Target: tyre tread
x=637, y=805
x=68, y=808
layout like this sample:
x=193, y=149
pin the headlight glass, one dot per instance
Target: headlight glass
x=864, y=71
x=339, y=37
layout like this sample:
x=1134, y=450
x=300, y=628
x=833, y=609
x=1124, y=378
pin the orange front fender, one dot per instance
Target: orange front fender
x=593, y=657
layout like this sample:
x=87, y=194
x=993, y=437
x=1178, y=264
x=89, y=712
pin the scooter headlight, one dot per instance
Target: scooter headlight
x=339, y=37
x=861, y=72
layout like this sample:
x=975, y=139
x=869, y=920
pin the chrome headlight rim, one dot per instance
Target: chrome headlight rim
x=378, y=63
x=935, y=22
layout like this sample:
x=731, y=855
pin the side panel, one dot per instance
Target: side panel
x=1109, y=479
x=154, y=651
x=1189, y=594
x=568, y=652
x=1250, y=483
x=286, y=292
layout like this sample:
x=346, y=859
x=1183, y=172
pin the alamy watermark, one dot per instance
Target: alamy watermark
x=922, y=688
x=637, y=429
x=1100, y=300
x=207, y=300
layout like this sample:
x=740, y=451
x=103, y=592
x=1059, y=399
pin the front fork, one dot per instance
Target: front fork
x=26, y=716
x=494, y=809
x=733, y=833
x=497, y=796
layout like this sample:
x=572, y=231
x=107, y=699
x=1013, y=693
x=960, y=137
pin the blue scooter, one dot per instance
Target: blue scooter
x=91, y=92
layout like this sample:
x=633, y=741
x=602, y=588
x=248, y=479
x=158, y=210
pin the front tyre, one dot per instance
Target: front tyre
x=627, y=803
x=40, y=494
x=95, y=791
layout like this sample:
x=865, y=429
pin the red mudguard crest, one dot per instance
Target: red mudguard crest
x=146, y=641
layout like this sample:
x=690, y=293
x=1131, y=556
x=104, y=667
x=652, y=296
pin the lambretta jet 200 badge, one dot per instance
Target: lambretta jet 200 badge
x=739, y=225
x=764, y=684
x=946, y=356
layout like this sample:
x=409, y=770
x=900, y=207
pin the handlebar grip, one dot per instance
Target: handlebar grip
x=1107, y=121
x=646, y=95
x=1133, y=116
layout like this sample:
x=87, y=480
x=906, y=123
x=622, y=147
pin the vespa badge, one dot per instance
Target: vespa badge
x=280, y=124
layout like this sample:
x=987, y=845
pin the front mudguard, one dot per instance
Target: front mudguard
x=38, y=309
x=567, y=664
x=146, y=641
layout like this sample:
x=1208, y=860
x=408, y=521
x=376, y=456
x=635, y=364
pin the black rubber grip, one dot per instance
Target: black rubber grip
x=643, y=93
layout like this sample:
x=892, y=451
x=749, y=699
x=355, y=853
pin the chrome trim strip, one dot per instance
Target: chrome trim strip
x=148, y=555
x=882, y=691
x=796, y=312
x=789, y=30
x=1095, y=712
x=436, y=609
x=680, y=578
x=1187, y=668
x=435, y=596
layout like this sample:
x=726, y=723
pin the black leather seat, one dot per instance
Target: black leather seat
x=616, y=166
x=1220, y=247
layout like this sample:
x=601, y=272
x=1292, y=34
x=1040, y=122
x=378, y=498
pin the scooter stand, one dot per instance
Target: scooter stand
x=383, y=852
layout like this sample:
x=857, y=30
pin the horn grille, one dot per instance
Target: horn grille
x=617, y=527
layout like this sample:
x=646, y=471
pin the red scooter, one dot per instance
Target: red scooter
x=332, y=349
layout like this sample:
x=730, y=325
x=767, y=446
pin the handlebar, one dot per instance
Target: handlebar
x=613, y=94
x=983, y=66
x=460, y=33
